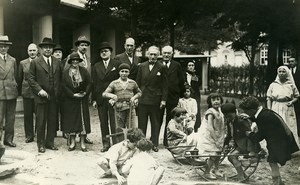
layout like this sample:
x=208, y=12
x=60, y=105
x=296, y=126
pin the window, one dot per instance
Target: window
x=286, y=54
x=264, y=55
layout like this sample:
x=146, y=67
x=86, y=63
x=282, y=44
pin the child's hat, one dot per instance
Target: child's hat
x=124, y=66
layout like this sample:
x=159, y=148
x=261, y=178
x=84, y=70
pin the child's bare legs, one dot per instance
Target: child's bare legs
x=103, y=163
x=237, y=165
x=158, y=175
x=210, y=162
x=216, y=165
x=275, y=173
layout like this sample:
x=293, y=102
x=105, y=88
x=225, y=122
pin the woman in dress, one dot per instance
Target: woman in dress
x=281, y=96
x=76, y=87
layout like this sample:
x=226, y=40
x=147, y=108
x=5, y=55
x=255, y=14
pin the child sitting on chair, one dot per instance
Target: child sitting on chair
x=236, y=130
x=114, y=159
x=142, y=168
x=190, y=105
x=179, y=133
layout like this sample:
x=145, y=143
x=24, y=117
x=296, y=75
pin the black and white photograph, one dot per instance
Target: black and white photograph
x=149, y=92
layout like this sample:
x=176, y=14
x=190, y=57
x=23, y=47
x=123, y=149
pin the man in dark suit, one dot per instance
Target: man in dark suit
x=130, y=58
x=27, y=94
x=296, y=75
x=152, y=80
x=44, y=79
x=103, y=73
x=8, y=92
x=175, y=86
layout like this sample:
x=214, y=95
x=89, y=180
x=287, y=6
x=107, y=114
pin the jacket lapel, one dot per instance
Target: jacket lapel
x=2, y=63
x=43, y=63
x=7, y=66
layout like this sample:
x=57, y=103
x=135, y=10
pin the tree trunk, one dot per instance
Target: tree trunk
x=272, y=60
x=251, y=75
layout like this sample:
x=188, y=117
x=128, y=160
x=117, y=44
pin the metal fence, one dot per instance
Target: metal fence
x=234, y=81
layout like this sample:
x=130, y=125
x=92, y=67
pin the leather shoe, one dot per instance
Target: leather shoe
x=71, y=148
x=84, y=149
x=10, y=143
x=52, y=147
x=104, y=149
x=88, y=141
x=42, y=149
x=155, y=149
x=29, y=140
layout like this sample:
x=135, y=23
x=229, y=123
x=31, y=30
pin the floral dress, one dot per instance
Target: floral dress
x=211, y=136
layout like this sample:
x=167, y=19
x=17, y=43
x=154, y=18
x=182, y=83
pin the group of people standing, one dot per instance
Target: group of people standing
x=59, y=90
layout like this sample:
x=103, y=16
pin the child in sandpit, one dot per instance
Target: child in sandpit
x=114, y=159
x=179, y=133
x=142, y=168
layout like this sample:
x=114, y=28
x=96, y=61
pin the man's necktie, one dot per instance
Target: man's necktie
x=48, y=62
x=105, y=64
x=4, y=58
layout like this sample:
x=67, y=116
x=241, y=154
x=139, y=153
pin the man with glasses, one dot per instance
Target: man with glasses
x=44, y=79
x=104, y=72
x=152, y=80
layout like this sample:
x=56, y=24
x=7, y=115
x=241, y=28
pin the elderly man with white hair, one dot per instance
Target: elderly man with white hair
x=152, y=80
x=175, y=86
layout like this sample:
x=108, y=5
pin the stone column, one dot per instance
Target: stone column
x=204, y=74
x=42, y=27
x=1, y=20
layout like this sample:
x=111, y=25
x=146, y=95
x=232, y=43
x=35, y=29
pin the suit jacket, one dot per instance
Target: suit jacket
x=102, y=77
x=123, y=58
x=38, y=77
x=154, y=83
x=296, y=77
x=175, y=82
x=195, y=85
x=23, y=73
x=8, y=78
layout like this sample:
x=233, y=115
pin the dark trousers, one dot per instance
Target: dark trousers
x=28, y=106
x=106, y=111
x=297, y=112
x=153, y=111
x=8, y=113
x=46, y=118
x=198, y=117
x=169, y=107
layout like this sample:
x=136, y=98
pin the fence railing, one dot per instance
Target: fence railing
x=234, y=81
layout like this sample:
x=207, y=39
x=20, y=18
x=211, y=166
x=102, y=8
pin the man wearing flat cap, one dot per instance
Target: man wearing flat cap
x=104, y=72
x=44, y=79
x=8, y=92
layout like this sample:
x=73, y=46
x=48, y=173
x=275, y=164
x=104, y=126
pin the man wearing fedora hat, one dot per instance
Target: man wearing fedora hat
x=27, y=94
x=8, y=92
x=103, y=73
x=44, y=79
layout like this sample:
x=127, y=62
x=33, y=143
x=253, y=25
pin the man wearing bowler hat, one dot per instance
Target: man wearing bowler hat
x=44, y=79
x=103, y=73
x=8, y=92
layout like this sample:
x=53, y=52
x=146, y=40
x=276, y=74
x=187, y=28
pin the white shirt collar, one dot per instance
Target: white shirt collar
x=50, y=59
x=2, y=56
x=82, y=56
x=258, y=111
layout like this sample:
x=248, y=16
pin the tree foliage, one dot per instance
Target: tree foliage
x=187, y=25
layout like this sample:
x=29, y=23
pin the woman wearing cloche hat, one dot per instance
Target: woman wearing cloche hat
x=75, y=91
